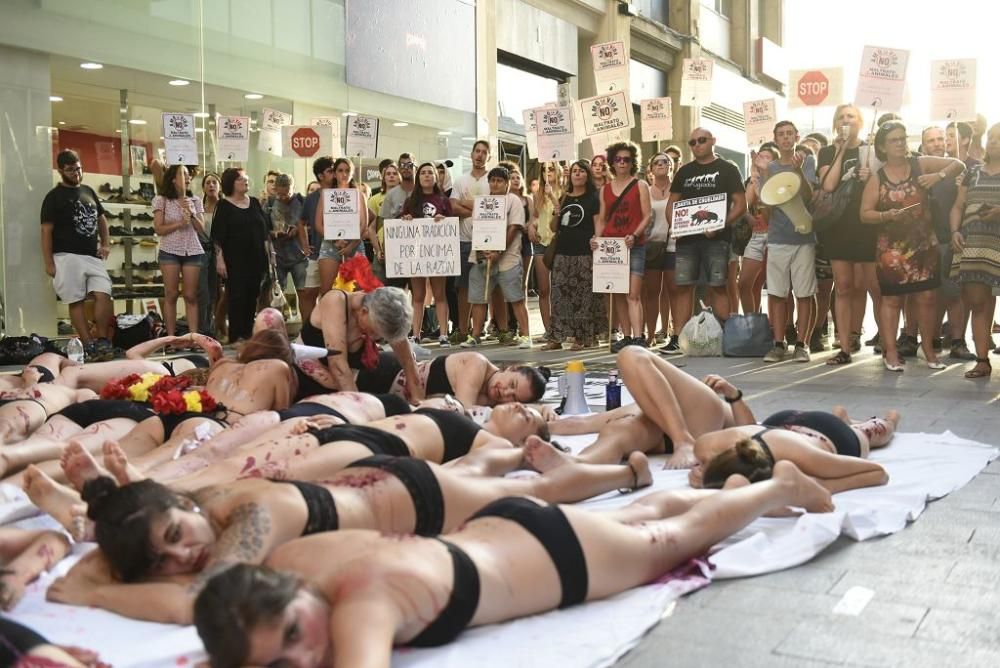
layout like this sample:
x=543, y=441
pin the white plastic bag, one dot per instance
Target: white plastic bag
x=702, y=335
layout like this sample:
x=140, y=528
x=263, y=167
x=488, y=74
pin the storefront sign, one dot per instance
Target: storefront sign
x=555, y=133
x=699, y=215
x=657, y=119
x=953, y=89
x=759, y=118
x=422, y=247
x=271, y=121
x=362, y=136
x=696, y=82
x=233, y=136
x=332, y=122
x=606, y=113
x=531, y=132
x=341, y=219
x=306, y=141
x=816, y=87
x=178, y=138
x=611, y=266
x=882, y=78
x=489, y=223
x=610, y=66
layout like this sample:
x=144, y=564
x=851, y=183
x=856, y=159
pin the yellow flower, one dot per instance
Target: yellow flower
x=139, y=392
x=346, y=286
x=193, y=401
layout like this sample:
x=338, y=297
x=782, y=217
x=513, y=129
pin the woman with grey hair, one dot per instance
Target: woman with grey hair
x=348, y=324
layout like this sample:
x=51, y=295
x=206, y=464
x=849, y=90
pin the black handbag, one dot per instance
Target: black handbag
x=828, y=207
x=740, y=233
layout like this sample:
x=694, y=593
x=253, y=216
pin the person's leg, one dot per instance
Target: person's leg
x=632, y=322
x=925, y=308
x=45, y=550
x=806, y=319
x=104, y=311
x=911, y=317
x=498, y=310
x=749, y=270
x=732, y=289
x=716, y=259
x=824, y=288
x=876, y=432
x=866, y=282
x=981, y=302
x=40, y=448
x=653, y=298
x=843, y=283
x=543, y=287
x=78, y=317
x=687, y=270
x=328, y=268
x=438, y=285
x=888, y=323
x=191, y=273
x=171, y=272
x=521, y=314
x=777, y=313
x=418, y=292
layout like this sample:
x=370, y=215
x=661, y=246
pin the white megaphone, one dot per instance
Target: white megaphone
x=571, y=387
x=782, y=191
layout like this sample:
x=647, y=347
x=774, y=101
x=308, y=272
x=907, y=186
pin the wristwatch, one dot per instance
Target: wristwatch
x=738, y=397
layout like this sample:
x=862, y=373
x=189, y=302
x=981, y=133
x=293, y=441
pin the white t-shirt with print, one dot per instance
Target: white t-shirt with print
x=467, y=187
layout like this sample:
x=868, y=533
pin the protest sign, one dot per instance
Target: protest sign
x=953, y=89
x=362, y=136
x=271, y=121
x=610, y=66
x=696, y=82
x=606, y=113
x=341, y=219
x=178, y=138
x=882, y=78
x=657, y=119
x=422, y=247
x=233, y=138
x=699, y=215
x=531, y=132
x=759, y=118
x=306, y=141
x=611, y=266
x=333, y=122
x=555, y=133
x=489, y=223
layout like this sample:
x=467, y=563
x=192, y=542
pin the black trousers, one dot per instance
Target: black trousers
x=242, y=291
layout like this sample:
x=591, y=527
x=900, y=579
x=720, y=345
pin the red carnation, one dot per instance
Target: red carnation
x=208, y=403
x=359, y=270
x=170, y=402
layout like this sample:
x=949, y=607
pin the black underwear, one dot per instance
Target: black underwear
x=420, y=482
x=322, y=510
x=17, y=640
x=437, y=377
x=378, y=441
x=462, y=603
x=550, y=527
x=171, y=421
x=394, y=404
x=309, y=409
x=457, y=431
x=844, y=440
x=380, y=379
x=759, y=438
x=199, y=361
x=88, y=412
x=307, y=386
x=44, y=374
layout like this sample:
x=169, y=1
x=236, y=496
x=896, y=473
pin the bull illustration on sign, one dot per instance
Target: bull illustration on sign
x=704, y=216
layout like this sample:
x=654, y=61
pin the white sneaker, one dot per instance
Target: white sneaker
x=524, y=343
x=444, y=342
x=419, y=352
x=775, y=354
x=801, y=354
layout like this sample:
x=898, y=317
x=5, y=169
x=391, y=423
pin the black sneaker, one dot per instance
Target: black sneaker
x=621, y=343
x=906, y=345
x=673, y=347
x=960, y=351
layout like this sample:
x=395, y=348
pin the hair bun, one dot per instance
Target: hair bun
x=98, y=493
x=546, y=372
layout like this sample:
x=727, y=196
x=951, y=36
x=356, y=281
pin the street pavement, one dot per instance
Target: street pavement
x=936, y=583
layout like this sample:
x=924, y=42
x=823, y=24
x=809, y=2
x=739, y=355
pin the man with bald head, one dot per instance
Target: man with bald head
x=708, y=253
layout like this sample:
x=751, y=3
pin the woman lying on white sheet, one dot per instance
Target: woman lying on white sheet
x=146, y=530
x=345, y=598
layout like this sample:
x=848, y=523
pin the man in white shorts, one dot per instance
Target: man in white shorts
x=791, y=257
x=74, y=246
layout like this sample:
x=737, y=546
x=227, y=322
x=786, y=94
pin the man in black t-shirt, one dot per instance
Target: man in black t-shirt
x=708, y=253
x=74, y=246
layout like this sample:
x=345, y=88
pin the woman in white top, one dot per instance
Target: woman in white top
x=658, y=282
x=177, y=219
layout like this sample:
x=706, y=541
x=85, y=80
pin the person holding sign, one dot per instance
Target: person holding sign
x=466, y=188
x=503, y=269
x=428, y=201
x=333, y=252
x=309, y=239
x=706, y=177
x=625, y=213
x=906, y=261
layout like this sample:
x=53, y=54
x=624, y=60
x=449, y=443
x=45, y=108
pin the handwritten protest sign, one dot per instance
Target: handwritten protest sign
x=882, y=78
x=657, y=119
x=178, y=138
x=699, y=215
x=759, y=117
x=696, y=82
x=611, y=266
x=340, y=214
x=422, y=247
x=531, y=132
x=489, y=223
x=233, y=137
x=953, y=89
x=610, y=66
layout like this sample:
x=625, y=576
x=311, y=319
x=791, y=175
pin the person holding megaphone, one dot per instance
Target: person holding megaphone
x=791, y=246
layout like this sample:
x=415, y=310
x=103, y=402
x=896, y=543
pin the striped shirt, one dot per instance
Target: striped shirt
x=185, y=240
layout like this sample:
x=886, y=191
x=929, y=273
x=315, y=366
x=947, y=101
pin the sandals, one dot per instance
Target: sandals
x=635, y=483
x=552, y=345
x=978, y=371
x=843, y=357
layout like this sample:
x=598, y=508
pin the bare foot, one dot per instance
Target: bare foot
x=542, y=456
x=116, y=462
x=642, y=476
x=62, y=503
x=841, y=413
x=805, y=492
x=11, y=589
x=894, y=417
x=683, y=458
x=79, y=465
x=736, y=481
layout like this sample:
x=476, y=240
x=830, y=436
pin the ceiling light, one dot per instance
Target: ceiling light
x=201, y=114
x=91, y=66
x=468, y=139
x=400, y=124
x=118, y=131
x=62, y=122
x=444, y=133
x=137, y=121
x=178, y=82
x=55, y=98
x=349, y=113
x=253, y=96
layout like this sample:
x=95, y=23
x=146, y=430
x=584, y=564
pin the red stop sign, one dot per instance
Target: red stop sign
x=813, y=88
x=305, y=142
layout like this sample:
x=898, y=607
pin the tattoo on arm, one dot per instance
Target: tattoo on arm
x=247, y=539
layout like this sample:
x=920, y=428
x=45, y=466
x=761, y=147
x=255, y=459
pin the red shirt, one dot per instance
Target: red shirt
x=627, y=215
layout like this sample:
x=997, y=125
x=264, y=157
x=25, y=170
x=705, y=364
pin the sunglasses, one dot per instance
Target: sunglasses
x=406, y=165
x=698, y=140
x=661, y=162
x=627, y=159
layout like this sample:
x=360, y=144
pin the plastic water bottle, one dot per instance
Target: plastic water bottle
x=612, y=392
x=576, y=402
x=74, y=350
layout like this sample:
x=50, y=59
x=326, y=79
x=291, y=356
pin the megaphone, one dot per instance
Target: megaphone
x=782, y=191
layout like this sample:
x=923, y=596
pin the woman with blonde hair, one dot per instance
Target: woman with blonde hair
x=540, y=232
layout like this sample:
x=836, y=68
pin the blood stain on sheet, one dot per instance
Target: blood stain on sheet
x=182, y=661
x=248, y=465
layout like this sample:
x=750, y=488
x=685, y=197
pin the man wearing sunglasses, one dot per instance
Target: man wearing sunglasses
x=705, y=254
x=74, y=246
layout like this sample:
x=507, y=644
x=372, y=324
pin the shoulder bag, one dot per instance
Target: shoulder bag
x=828, y=207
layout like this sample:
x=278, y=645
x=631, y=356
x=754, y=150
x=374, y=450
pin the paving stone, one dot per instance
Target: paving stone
x=681, y=652
x=990, y=536
x=976, y=573
x=965, y=629
x=902, y=589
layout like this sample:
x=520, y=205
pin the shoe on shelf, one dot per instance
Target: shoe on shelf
x=470, y=342
x=444, y=342
x=524, y=343
x=960, y=351
x=801, y=354
x=777, y=353
x=673, y=347
x=419, y=352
